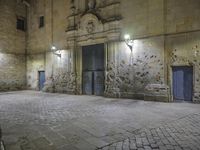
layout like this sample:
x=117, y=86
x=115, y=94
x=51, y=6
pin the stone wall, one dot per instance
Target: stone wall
x=11, y=39
x=12, y=72
x=41, y=39
x=182, y=16
x=143, y=18
x=12, y=47
x=165, y=33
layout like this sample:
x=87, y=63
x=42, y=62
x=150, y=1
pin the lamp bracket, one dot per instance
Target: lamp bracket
x=59, y=55
x=129, y=43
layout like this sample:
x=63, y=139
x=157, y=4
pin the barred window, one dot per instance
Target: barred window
x=41, y=21
x=21, y=23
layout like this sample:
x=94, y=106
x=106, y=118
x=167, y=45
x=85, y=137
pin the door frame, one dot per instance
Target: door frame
x=172, y=84
x=81, y=63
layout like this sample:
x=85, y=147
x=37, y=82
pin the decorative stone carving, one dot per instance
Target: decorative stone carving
x=90, y=27
x=49, y=85
x=65, y=82
x=72, y=7
x=133, y=80
x=91, y=4
x=90, y=24
x=62, y=82
x=112, y=81
x=94, y=26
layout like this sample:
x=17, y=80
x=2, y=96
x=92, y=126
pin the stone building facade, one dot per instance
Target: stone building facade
x=166, y=35
x=12, y=47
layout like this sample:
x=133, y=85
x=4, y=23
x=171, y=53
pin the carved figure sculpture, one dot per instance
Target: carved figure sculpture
x=91, y=4
x=90, y=27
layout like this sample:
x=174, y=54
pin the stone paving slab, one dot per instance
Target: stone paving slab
x=43, y=121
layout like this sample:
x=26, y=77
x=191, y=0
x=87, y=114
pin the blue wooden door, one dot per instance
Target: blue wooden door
x=183, y=83
x=88, y=82
x=99, y=83
x=41, y=80
x=93, y=69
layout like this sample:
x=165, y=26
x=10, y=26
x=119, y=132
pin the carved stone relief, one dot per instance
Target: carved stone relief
x=137, y=78
x=91, y=4
x=89, y=23
x=63, y=82
x=92, y=26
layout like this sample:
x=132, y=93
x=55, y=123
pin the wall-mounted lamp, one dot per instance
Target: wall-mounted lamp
x=129, y=42
x=197, y=53
x=54, y=50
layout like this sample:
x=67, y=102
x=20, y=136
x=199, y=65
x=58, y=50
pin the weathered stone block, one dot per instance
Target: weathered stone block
x=157, y=92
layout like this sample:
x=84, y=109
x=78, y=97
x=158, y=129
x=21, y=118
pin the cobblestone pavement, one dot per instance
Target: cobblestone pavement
x=43, y=121
x=177, y=135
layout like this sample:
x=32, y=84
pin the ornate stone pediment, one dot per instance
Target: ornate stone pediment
x=98, y=23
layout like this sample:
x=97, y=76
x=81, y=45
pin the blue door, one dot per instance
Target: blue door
x=87, y=82
x=183, y=83
x=41, y=79
x=99, y=83
x=93, y=69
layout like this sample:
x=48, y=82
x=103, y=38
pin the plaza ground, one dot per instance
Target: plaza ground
x=42, y=121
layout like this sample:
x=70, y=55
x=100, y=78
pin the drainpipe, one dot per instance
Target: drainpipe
x=26, y=3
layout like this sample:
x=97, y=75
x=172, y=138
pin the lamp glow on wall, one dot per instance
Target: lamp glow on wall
x=197, y=53
x=55, y=51
x=129, y=42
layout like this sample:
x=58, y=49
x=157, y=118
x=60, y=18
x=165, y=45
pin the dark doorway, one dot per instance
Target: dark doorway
x=41, y=79
x=93, y=69
x=183, y=83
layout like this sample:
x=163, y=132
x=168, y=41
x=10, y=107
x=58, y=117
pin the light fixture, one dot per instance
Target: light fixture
x=54, y=50
x=129, y=42
x=126, y=36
